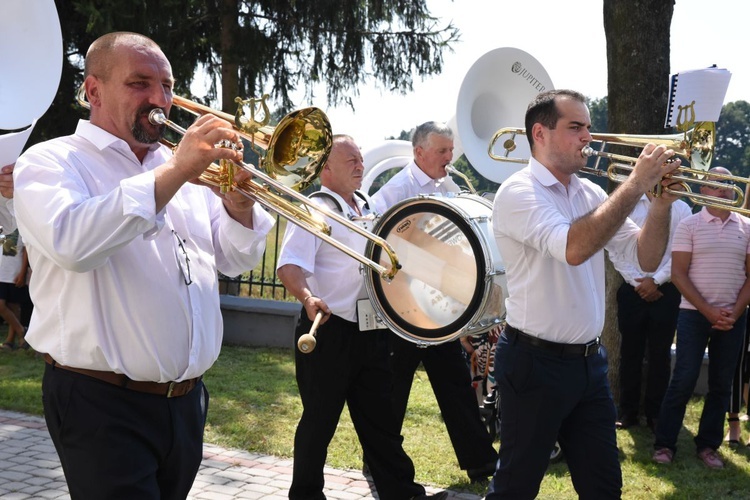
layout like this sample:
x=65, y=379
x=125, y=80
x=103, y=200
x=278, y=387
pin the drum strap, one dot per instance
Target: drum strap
x=339, y=201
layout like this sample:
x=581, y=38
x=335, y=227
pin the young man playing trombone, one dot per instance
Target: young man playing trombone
x=551, y=228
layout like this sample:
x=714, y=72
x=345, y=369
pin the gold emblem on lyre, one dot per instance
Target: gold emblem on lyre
x=689, y=112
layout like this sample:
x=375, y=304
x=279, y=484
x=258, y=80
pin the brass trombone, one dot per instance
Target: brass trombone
x=695, y=145
x=295, y=152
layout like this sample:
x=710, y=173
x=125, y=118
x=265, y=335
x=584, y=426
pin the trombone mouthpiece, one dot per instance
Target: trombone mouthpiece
x=156, y=117
x=587, y=151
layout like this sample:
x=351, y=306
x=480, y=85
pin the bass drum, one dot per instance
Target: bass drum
x=452, y=279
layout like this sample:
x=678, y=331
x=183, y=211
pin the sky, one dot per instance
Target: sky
x=565, y=36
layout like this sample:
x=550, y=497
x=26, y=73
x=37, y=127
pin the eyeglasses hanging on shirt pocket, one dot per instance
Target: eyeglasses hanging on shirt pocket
x=182, y=258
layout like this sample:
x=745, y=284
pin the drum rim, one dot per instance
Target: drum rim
x=438, y=206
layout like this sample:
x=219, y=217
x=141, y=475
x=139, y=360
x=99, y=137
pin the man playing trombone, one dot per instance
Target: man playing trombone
x=125, y=251
x=551, y=228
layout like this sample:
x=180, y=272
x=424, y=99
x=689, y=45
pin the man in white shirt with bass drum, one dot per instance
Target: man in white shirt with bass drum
x=347, y=365
x=444, y=363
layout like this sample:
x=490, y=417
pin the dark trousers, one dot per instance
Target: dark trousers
x=547, y=396
x=740, y=376
x=645, y=327
x=115, y=443
x=451, y=382
x=348, y=366
x=694, y=333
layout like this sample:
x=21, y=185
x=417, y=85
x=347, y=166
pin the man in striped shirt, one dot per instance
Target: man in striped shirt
x=710, y=259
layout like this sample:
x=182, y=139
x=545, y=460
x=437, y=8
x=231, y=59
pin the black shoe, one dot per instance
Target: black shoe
x=481, y=473
x=626, y=422
x=437, y=496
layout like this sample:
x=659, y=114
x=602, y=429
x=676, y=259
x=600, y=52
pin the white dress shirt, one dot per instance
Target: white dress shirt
x=630, y=270
x=109, y=278
x=410, y=182
x=548, y=297
x=331, y=274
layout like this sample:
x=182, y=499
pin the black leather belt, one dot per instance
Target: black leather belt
x=166, y=389
x=514, y=334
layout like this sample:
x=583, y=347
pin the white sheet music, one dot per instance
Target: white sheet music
x=706, y=87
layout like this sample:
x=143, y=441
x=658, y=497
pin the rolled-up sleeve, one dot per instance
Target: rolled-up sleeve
x=241, y=248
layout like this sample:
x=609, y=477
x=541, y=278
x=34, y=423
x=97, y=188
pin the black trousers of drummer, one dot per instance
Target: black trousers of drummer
x=348, y=366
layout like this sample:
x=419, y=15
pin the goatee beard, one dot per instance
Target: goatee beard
x=143, y=134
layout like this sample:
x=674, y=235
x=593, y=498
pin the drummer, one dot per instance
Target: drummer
x=445, y=364
x=346, y=365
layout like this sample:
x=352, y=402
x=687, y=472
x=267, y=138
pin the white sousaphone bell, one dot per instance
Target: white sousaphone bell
x=31, y=58
x=495, y=91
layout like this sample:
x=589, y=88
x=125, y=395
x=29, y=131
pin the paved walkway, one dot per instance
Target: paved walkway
x=29, y=468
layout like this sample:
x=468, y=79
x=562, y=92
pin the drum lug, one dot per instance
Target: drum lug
x=484, y=325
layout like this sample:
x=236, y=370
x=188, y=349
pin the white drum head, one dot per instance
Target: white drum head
x=442, y=283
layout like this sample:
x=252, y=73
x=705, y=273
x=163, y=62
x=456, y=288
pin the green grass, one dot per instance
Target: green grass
x=254, y=406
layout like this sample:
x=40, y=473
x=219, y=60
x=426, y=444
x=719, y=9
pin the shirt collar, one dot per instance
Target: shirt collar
x=102, y=139
x=359, y=201
x=422, y=178
x=706, y=216
x=543, y=175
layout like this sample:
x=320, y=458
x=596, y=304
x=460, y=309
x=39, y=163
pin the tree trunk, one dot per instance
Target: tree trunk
x=637, y=34
x=230, y=75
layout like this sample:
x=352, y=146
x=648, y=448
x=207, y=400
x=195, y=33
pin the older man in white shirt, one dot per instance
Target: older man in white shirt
x=125, y=251
x=445, y=364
